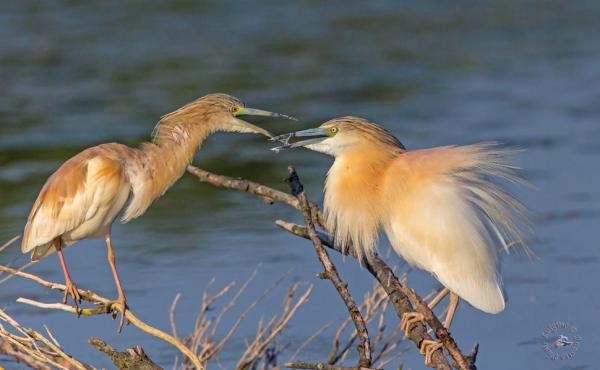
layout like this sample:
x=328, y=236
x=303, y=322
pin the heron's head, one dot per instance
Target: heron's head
x=220, y=112
x=341, y=135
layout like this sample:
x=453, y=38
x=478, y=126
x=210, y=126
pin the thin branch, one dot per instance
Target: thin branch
x=261, y=191
x=233, y=300
x=9, y=349
x=373, y=302
x=333, y=356
x=208, y=354
x=383, y=363
x=331, y=273
x=8, y=243
x=319, y=366
x=259, y=346
x=172, y=315
x=309, y=340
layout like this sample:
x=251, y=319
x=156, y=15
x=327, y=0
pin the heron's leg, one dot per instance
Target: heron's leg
x=70, y=287
x=437, y=299
x=451, y=309
x=111, y=261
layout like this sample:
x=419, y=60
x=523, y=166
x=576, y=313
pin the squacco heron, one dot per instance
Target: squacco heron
x=440, y=208
x=84, y=196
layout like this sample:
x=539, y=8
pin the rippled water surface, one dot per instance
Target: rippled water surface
x=523, y=72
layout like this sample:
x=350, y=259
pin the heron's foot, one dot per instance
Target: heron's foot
x=410, y=319
x=71, y=289
x=124, y=307
x=428, y=347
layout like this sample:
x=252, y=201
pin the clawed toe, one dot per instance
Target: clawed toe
x=123, y=303
x=71, y=290
x=410, y=319
x=428, y=347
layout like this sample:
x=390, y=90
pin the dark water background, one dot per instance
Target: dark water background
x=527, y=73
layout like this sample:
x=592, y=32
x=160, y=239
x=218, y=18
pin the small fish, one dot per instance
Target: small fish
x=284, y=139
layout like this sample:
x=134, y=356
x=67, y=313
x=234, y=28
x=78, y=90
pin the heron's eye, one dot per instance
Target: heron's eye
x=236, y=110
x=334, y=130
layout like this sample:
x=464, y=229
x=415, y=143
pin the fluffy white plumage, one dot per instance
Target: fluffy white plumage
x=441, y=208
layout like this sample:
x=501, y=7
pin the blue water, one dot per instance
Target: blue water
x=526, y=73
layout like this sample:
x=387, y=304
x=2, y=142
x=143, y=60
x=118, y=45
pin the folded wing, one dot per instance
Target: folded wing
x=77, y=201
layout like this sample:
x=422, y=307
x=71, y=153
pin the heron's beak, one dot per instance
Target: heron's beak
x=320, y=133
x=259, y=112
x=244, y=126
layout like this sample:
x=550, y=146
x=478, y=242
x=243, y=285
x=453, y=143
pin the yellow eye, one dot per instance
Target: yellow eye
x=334, y=130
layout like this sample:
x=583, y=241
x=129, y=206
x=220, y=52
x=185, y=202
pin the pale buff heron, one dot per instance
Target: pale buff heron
x=441, y=208
x=84, y=196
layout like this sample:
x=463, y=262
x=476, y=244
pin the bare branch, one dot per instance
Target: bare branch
x=257, y=348
x=320, y=366
x=11, y=350
x=308, y=340
x=261, y=191
x=9, y=242
x=331, y=273
x=3, y=247
x=211, y=353
x=172, y=315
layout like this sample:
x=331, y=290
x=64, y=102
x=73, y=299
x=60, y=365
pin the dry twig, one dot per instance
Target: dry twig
x=34, y=349
x=267, y=194
x=364, y=350
x=257, y=349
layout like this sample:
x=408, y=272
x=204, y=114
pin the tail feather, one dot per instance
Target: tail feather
x=507, y=217
x=449, y=215
x=41, y=251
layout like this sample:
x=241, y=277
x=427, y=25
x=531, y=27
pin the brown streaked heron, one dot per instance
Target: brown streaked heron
x=441, y=208
x=84, y=196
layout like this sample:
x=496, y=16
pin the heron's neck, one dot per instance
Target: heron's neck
x=360, y=171
x=352, y=196
x=168, y=156
x=162, y=162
